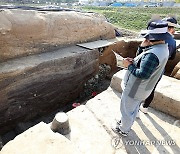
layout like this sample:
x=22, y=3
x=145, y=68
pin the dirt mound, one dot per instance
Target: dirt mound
x=25, y=32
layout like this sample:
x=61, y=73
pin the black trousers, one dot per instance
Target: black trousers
x=148, y=100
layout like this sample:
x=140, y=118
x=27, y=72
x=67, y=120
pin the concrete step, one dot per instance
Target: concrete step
x=166, y=97
x=91, y=131
x=150, y=128
x=39, y=140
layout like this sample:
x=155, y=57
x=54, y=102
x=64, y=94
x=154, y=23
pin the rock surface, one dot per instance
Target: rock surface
x=37, y=73
x=125, y=47
x=23, y=33
x=34, y=85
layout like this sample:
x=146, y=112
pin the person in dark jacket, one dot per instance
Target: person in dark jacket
x=172, y=23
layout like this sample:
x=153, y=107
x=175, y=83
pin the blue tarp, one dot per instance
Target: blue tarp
x=130, y=5
x=117, y=4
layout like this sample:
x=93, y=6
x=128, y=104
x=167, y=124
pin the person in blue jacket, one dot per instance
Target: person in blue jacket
x=172, y=24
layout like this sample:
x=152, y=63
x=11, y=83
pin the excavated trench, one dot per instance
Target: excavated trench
x=39, y=77
x=95, y=85
x=92, y=87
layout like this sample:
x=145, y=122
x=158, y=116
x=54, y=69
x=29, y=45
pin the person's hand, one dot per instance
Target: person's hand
x=145, y=43
x=127, y=61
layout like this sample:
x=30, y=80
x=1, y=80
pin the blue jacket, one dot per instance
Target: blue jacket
x=171, y=46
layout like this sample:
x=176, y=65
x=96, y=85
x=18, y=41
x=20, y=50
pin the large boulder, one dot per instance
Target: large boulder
x=24, y=33
x=40, y=67
x=35, y=85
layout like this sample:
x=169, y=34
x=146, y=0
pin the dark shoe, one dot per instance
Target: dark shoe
x=144, y=109
x=118, y=131
x=118, y=122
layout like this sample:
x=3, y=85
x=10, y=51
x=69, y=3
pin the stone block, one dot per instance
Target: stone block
x=35, y=85
x=171, y=64
x=176, y=71
x=177, y=75
x=38, y=140
x=152, y=127
x=116, y=81
x=87, y=136
x=87, y=133
x=166, y=97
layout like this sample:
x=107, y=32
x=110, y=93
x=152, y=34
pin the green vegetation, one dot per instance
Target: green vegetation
x=39, y=1
x=132, y=18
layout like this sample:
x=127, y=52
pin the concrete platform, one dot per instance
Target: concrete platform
x=91, y=131
x=153, y=127
x=166, y=97
x=39, y=140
